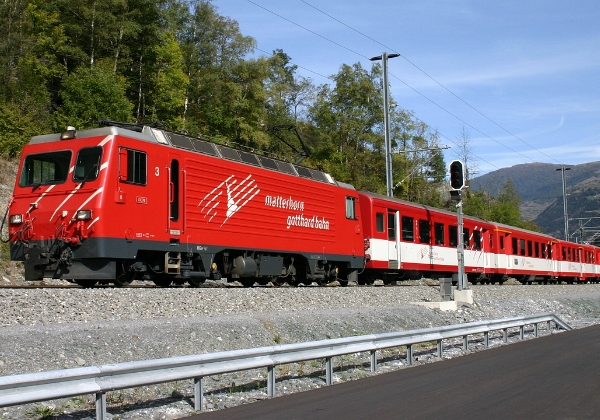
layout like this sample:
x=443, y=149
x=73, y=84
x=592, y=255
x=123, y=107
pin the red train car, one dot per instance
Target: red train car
x=408, y=240
x=115, y=204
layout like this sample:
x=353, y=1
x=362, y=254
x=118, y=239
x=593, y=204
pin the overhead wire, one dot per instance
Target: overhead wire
x=439, y=84
x=364, y=56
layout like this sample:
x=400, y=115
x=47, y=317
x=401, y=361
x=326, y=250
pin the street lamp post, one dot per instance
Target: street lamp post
x=564, y=191
x=386, y=122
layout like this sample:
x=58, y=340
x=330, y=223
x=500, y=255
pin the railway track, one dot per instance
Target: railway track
x=220, y=284
x=227, y=285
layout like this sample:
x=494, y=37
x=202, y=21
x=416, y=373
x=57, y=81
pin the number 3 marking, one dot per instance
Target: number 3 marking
x=156, y=171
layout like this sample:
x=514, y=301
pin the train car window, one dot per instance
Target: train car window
x=453, y=235
x=544, y=251
x=477, y=239
x=45, y=168
x=564, y=253
x=174, y=213
x=515, y=246
x=537, y=250
x=351, y=208
x=408, y=229
x=491, y=241
x=522, y=246
x=379, y=225
x=424, y=231
x=438, y=229
x=529, y=249
x=391, y=226
x=501, y=242
x=132, y=166
x=87, y=164
x=466, y=238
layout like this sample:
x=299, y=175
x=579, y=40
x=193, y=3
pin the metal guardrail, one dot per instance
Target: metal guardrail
x=98, y=380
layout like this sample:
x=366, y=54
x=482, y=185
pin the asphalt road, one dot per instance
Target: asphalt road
x=552, y=377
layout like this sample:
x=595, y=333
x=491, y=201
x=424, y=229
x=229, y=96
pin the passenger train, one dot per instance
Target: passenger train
x=130, y=202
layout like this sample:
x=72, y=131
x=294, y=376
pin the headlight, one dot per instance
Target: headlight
x=16, y=219
x=68, y=134
x=84, y=214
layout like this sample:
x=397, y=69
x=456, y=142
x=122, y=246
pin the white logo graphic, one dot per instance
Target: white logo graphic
x=238, y=195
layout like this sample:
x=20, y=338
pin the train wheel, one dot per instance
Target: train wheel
x=162, y=282
x=86, y=284
x=124, y=279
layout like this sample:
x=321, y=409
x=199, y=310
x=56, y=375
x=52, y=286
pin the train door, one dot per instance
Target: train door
x=502, y=253
x=491, y=254
x=580, y=260
x=554, y=251
x=478, y=247
x=175, y=203
x=393, y=219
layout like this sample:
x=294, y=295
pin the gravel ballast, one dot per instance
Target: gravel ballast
x=48, y=329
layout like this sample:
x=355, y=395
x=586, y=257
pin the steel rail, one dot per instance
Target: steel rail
x=98, y=380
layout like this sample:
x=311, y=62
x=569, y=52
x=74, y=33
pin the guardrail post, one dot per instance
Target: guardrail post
x=505, y=335
x=486, y=339
x=328, y=371
x=440, y=350
x=100, y=406
x=535, y=329
x=373, y=361
x=198, y=394
x=522, y=332
x=409, y=354
x=550, y=327
x=271, y=381
x=465, y=342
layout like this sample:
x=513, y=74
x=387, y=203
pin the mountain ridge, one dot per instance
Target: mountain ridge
x=540, y=186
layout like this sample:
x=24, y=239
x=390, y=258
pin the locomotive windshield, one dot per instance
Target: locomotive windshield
x=45, y=168
x=88, y=164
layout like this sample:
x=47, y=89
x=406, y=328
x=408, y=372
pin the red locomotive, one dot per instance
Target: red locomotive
x=127, y=202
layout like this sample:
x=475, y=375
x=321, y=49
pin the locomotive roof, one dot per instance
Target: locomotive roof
x=196, y=145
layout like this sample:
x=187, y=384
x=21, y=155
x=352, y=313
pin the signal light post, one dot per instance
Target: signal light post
x=457, y=183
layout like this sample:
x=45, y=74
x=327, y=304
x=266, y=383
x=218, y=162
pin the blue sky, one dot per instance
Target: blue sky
x=522, y=77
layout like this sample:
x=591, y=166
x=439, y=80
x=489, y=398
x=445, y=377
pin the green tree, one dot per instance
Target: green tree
x=506, y=209
x=16, y=129
x=348, y=117
x=225, y=95
x=90, y=95
x=167, y=98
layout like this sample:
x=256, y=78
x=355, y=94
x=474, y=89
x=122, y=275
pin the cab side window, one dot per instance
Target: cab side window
x=351, y=208
x=133, y=166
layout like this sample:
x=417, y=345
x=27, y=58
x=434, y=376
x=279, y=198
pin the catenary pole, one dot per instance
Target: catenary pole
x=386, y=122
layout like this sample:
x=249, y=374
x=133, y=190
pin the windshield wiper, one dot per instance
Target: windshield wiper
x=85, y=178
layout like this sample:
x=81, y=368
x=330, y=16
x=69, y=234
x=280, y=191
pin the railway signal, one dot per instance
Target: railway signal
x=457, y=175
